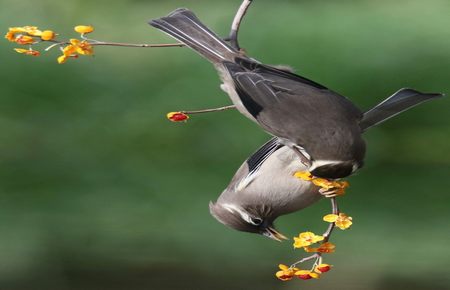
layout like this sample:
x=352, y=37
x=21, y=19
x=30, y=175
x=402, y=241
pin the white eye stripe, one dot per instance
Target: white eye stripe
x=244, y=215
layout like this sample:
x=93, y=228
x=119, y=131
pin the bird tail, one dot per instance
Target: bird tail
x=184, y=26
x=400, y=101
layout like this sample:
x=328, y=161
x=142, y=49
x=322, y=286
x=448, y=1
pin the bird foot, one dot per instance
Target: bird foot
x=329, y=188
x=329, y=193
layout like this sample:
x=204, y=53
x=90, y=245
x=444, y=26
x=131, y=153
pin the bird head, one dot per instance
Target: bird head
x=253, y=219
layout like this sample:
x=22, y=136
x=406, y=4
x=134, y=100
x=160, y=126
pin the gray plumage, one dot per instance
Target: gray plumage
x=399, y=102
x=263, y=188
x=322, y=126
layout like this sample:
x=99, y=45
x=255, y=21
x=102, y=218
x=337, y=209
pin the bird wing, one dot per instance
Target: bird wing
x=400, y=101
x=292, y=107
x=255, y=161
x=249, y=169
x=257, y=67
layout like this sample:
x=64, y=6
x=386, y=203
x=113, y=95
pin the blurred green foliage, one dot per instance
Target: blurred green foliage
x=99, y=191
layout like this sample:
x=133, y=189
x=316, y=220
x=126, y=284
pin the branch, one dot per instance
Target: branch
x=138, y=45
x=209, y=110
x=316, y=256
x=233, y=37
x=334, y=210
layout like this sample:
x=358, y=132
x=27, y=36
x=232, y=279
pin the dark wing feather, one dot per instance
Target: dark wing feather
x=400, y=101
x=257, y=159
x=254, y=162
x=262, y=68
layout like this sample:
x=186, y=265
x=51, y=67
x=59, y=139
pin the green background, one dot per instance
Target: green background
x=99, y=191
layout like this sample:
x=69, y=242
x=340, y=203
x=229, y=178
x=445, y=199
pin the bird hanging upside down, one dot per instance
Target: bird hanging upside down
x=308, y=120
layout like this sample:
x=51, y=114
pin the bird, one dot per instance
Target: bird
x=265, y=187
x=321, y=126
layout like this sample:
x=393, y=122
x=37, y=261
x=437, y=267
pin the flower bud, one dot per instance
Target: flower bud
x=177, y=116
x=84, y=29
x=322, y=268
x=24, y=39
x=306, y=275
x=47, y=35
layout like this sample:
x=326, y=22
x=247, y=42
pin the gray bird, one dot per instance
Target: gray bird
x=321, y=126
x=264, y=187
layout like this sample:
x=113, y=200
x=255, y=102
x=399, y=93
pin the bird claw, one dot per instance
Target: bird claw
x=328, y=188
x=331, y=192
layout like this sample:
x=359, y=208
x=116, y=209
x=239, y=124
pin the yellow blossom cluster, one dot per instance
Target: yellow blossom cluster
x=338, y=187
x=28, y=35
x=31, y=35
x=286, y=273
x=341, y=220
x=306, y=240
x=74, y=49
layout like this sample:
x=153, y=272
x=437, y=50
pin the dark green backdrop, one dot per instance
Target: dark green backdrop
x=99, y=191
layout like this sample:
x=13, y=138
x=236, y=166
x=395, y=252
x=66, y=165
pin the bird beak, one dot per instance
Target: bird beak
x=274, y=234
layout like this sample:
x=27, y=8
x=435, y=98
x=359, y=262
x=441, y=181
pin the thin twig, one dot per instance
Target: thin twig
x=209, y=110
x=138, y=45
x=305, y=259
x=237, y=23
x=121, y=44
x=334, y=210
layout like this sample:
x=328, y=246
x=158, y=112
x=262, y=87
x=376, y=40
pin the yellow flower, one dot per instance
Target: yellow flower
x=306, y=275
x=323, y=248
x=83, y=29
x=19, y=29
x=342, y=221
x=11, y=36
x=82, y=47
x=305, y=175
x=47, y=35
x=74, y=48
x=85, y=48
x=324, y=183
x=62, y=59
x=24, y=39
x=69, y=50
x=34, y=32
x=26, y=32
x=28, y=51
x=322, y=268
x=306, y=239
x=342, y=184
x=29, y=29
x=286, y=273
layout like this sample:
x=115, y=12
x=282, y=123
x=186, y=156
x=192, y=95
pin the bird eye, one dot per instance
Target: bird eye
x=256, y=221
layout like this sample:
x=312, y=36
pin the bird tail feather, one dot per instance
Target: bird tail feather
x=184, y=26
x=400, y=101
